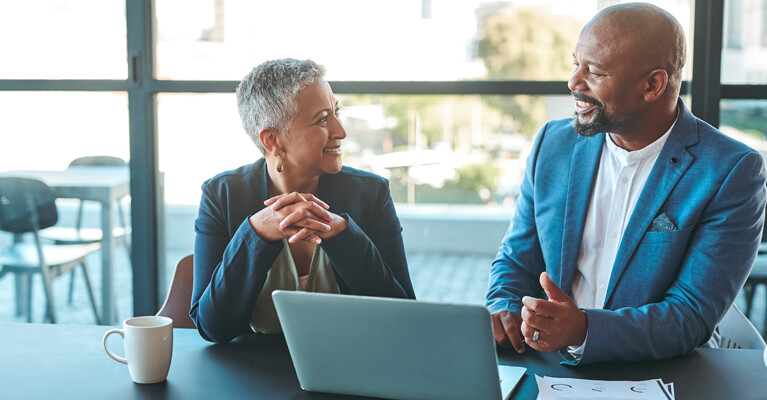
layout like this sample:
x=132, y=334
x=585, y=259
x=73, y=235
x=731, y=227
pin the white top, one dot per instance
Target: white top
x=283, y=275
x=303, y=282
x=620, y=179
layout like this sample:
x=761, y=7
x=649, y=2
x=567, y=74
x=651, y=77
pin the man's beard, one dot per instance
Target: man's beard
x=601, y=122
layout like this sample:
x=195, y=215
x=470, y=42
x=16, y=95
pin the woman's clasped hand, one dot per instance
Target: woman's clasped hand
x=297, y=216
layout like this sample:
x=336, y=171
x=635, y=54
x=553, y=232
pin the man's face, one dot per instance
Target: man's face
x=605, y=82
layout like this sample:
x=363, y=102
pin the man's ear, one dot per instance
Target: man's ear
x=268, y=137
x=655, y=85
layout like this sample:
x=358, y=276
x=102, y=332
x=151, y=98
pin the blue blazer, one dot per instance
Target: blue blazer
x=669, y=287
x=231, y=261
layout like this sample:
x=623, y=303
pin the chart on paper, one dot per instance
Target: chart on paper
x=550, y=388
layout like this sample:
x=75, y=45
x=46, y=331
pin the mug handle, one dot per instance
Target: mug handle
x=109, y=352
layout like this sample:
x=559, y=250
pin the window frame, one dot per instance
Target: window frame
x=142, y=86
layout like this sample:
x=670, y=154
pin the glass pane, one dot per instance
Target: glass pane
x=193, y=128
x=446, y=149
x=744, y=45
x=745, y=121
x=63, y=39
x=42, y=133
x=468, y=149
x=410, y=40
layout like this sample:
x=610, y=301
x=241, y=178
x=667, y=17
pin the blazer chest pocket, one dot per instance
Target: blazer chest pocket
x=681, y=235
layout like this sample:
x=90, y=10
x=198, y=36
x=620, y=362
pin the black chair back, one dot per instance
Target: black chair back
x=26, y=205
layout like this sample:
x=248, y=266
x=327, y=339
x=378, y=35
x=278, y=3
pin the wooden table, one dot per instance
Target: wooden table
x=105, y=185
x=39, y=361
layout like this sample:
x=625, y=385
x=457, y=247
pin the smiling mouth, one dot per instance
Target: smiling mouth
x=332, y=150
x=584, y=104
x=584, y=107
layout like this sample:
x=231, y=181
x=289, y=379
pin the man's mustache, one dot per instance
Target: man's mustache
x=578, y=96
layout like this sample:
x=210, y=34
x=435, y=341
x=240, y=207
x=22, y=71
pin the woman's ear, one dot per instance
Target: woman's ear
x=268, y=137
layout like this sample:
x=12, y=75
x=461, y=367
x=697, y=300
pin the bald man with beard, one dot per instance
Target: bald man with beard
x=637, y=222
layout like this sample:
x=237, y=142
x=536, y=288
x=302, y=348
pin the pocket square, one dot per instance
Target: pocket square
x=662, y=223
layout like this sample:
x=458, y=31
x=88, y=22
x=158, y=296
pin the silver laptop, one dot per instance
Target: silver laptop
x=390, y=348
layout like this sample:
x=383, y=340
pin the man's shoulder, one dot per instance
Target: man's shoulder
x=562, y=130
x=559, y=135
x=561, y=126
x=716, y=144
x=704, y=141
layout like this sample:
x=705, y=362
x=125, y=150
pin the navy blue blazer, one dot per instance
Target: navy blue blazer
x=231, y=261
x=687, y=250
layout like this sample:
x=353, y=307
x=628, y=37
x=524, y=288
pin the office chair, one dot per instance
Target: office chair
x=26, y=207
x=757, y=276
x=179, y=299
x=737, y=332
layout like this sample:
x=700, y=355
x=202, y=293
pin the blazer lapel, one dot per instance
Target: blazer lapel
x=673, y=161
x=263, y=185
x=584, y=165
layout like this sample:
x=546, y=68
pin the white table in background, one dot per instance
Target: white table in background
x=105, y=185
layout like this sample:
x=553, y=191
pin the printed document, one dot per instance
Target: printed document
x=550, y=388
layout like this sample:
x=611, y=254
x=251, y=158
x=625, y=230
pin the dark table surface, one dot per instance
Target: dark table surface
x=68, y=362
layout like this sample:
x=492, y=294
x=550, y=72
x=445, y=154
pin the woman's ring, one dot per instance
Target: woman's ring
x=536, y=333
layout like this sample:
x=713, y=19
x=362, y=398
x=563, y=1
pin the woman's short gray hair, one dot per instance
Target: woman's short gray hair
x=266, y=97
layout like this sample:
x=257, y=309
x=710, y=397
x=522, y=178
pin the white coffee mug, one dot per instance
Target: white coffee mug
x=148, y=347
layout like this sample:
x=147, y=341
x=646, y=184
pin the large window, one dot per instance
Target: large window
x=746, y=121
x=744, y=53
x=45, y=131
x=460, y=149
x=441, y=97
x=63, y=39
x=401, y=40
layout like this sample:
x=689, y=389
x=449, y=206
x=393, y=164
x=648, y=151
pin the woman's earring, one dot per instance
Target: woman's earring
x=279, y=163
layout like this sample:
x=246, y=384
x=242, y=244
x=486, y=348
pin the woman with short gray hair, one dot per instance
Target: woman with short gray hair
x=296, y=219
x=266, y=97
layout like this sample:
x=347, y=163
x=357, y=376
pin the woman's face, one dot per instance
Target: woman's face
x=312, y=145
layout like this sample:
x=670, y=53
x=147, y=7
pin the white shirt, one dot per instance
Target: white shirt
x=620, y=179
x=621, y=176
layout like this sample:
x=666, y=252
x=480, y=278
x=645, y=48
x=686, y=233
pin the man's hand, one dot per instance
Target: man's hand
x=559, y=321
x=506, y=331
